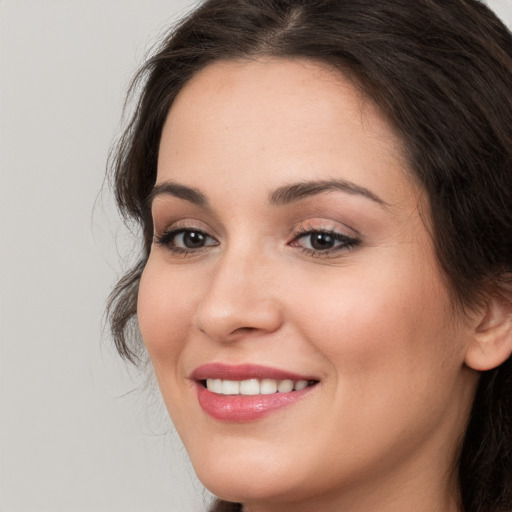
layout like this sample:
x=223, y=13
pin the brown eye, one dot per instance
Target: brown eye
x=185, y=240
x=191, y=239
x=318, y=242
x=321, y=241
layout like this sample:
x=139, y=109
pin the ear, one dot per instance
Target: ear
x=491, y=342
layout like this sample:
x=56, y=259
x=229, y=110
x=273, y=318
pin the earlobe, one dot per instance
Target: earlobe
x=491, y=342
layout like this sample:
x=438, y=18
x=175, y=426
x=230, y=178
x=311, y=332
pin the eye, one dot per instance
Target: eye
x=318, y=242
x=184, y=240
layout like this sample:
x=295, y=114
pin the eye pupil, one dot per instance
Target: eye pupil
x=321, y=241
x=193, y=239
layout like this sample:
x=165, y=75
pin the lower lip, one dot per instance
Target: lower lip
x=242, y=408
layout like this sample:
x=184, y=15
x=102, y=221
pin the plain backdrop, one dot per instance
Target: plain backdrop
x=78, y=431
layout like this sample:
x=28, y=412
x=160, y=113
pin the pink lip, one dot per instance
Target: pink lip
x=240, y=408
x=244, y=371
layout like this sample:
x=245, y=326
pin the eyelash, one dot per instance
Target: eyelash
x=347, y=243
x=167, y=237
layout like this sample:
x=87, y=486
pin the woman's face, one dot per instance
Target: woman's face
x=290, y=253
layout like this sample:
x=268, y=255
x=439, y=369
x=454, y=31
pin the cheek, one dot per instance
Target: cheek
x=163, y=313
x=386, y=329
x=394, y=358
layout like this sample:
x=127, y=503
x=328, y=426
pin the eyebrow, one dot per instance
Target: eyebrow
x=281, y=196
x=297, y=191
x=169, y=188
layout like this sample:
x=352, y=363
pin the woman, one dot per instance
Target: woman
x=325, y=195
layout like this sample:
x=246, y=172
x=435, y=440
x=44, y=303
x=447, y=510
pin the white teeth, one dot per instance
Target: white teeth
x=230, y=387
x=285, y=386
x=300, y=384
x=268, y=386
x=214, y=385
x=254, y=386
x=250, y=387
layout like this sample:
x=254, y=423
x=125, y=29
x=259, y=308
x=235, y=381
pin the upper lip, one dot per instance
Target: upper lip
x=244, y=372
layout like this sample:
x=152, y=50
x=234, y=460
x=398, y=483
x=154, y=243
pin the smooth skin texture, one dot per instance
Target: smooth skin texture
x=372, y=319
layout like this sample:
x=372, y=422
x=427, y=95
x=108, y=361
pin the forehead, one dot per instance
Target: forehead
x=277, y=120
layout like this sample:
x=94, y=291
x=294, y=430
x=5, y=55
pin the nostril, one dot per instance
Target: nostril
x=245, y=329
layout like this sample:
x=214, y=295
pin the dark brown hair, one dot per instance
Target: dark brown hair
x=441, y=71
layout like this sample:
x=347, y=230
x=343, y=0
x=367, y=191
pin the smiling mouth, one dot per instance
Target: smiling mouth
x=252, y=387
x=247, y=392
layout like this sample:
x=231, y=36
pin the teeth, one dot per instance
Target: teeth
x=268, y=386
x=254, y=386
x=230, y=387
x=300, y=384
x=285, y=386
x=215, y=385
x=250, y=387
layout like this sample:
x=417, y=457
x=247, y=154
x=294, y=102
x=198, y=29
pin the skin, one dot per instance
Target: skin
x=374, y=322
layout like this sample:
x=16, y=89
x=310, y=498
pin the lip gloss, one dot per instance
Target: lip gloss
x=240, y=408
x=244, y=408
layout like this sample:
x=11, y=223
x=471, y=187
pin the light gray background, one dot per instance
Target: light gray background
x=73, y=435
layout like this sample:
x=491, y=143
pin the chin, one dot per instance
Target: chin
x=249, y=482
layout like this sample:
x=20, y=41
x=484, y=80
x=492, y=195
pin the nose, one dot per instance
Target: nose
x=240, y=299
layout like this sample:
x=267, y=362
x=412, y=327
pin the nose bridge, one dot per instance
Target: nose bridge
x=239, y=297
